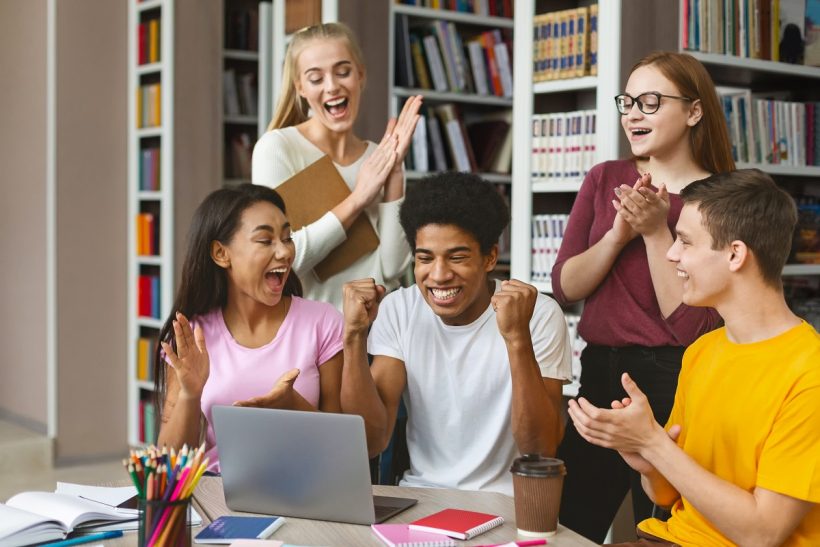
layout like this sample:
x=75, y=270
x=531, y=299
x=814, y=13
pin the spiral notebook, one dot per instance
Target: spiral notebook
x=457, y=523
x=400, y=535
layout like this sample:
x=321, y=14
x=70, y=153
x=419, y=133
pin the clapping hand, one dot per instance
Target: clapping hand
x=406, y=126
x=645, y=210
x=190, y=361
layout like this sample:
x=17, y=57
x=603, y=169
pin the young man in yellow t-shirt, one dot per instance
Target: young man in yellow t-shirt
x=739, y=459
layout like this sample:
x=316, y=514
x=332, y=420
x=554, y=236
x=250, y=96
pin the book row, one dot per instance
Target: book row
x=565, y=44
x=440, y=56
x=148, y=288
x=496, y=8
x=239, y=93
x=547, y=235
x=149, y=98
x=444, y=141
x=242, y=27
x=777, y=30
x=803, y=296
x=147, y=234
x=770, y=131
x=148, y=41
x=147, y=424
x=146, y=346
x=149, y=170
x=563, y=145
x=806, y=241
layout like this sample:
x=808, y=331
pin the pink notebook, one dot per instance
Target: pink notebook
x=457, y=523
x=400, y=535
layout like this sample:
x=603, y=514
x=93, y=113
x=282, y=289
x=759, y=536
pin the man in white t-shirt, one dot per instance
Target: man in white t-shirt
x=479, y=363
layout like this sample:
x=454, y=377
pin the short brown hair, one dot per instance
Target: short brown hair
x=747, y=205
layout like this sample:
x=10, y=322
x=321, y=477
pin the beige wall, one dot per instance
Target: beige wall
x=91, y=227
x=22, y=212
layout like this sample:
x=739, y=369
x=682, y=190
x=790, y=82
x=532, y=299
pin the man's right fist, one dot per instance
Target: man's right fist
x=361, y=304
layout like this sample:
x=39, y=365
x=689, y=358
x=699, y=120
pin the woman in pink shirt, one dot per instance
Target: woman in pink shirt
x=613, y=257
x=251, y=340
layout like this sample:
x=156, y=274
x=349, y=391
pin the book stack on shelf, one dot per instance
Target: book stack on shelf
x=547, y=236
x=565, y=44
x=240, y=88
x=770, y=131
x=578, y=344
x=774, y=30
x=563, y=145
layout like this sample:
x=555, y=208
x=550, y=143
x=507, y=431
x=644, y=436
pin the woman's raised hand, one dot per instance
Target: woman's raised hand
x=376, y=168
x=190, y=361
x=406, y=126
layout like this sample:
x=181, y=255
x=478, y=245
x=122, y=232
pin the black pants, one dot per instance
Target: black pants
x=597, y=478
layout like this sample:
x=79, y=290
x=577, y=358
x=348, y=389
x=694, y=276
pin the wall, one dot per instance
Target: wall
x=22, y=212
x=91, y=228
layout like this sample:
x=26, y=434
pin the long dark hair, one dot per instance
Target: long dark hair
x=204, y=284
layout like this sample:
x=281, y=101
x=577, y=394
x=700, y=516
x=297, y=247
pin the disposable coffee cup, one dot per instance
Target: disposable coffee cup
x=537, y=483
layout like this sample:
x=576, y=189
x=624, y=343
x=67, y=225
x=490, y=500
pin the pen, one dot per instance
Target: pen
x=525, y=543
x=86, y=539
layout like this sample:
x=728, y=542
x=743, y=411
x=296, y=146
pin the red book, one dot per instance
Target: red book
x=457, y=523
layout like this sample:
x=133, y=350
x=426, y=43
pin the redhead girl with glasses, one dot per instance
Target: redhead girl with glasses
x=613, y=258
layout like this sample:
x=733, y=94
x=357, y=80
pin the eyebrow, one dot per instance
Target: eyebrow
x=449, y=251
x=335, y=65
x=269, y=228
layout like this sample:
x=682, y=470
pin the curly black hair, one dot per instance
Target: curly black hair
x=459, y=199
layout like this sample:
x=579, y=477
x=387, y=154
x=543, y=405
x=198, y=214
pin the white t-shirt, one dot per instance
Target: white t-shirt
x=280, y=154
x=459, y=388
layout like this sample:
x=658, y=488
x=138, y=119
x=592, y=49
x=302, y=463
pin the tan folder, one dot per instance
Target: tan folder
x=311, y=193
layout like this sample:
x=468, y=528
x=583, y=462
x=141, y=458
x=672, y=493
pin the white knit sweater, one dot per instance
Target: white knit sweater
x=280, y=154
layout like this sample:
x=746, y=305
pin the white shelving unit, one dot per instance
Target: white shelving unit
x=605, y=86
x=160, y=201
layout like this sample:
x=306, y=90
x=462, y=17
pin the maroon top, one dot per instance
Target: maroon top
x=623, y=310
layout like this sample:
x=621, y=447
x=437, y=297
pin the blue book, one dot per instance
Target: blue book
x=229, y=528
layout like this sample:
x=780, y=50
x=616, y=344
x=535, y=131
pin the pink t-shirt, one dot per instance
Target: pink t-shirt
x=310, y=335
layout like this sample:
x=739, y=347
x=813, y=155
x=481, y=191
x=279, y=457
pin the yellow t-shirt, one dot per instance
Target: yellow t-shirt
x=750, y=414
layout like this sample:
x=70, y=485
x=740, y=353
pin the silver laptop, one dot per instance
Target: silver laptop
x=300, y=464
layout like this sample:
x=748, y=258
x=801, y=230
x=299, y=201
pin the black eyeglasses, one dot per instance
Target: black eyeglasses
x=648, y=103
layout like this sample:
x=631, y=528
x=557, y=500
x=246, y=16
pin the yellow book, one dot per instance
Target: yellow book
x=593, y=39
x=139, y=107
x=143, y=346
x=153, y=41
x=775, y=40
x=155, y=110
x=581, y=42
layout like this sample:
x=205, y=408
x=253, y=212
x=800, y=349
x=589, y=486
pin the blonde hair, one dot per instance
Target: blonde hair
x=291, y=109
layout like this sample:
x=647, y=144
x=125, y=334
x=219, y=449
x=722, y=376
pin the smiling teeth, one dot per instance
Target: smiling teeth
x=444, y=294
x=337, y=102
x=683, y=274
x=278, y=270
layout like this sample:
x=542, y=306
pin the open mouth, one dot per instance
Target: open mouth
x=275, y=278
x=683, y=275
x=444, y=296
x=337, y=107
x=640, y=132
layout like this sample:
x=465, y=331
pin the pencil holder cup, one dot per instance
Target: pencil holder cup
x=165, y=523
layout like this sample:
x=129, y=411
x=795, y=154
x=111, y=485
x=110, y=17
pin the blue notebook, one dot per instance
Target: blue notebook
x=227, y=529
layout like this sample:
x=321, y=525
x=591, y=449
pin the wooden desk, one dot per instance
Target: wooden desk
x=209, y=500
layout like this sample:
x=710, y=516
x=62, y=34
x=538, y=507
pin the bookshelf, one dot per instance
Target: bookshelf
x=763, y=76
x=460, y=61
x=151, y=167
